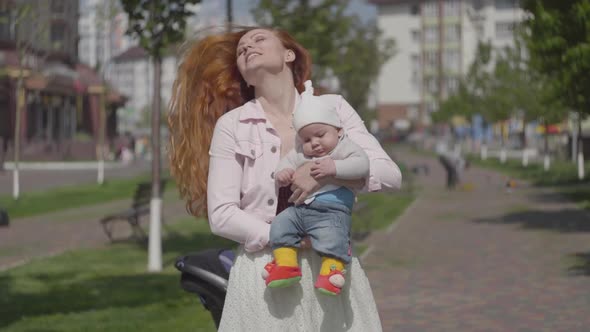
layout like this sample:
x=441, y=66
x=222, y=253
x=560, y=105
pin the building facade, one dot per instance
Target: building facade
x=102, y=27
x=436, y=42
x=132, y=73
x=60, y=99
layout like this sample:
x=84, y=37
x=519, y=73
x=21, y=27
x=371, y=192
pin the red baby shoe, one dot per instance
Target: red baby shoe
x=330, y=284
x=281, y=276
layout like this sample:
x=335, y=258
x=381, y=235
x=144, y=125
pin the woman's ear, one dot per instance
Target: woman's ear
x=290, y=56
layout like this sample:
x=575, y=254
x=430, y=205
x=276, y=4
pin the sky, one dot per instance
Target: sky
x=213, y=11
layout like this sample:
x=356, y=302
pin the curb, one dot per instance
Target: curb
x=60, y=166
x=392, y=227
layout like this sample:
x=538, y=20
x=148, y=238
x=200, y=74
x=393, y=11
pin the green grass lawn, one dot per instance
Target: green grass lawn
x=34, y=203
x=382, y=209
x=107, y=289
x=563, y=176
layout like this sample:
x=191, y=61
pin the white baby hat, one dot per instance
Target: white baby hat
x=314, y=109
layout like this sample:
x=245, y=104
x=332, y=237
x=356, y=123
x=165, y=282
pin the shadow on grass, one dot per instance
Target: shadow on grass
x=96, y=280
x=577, y=193
x=565, y=220
x=581, y=267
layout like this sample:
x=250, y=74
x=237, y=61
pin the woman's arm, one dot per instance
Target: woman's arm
x=226, y=219
x=384, y=174
x=304, y=184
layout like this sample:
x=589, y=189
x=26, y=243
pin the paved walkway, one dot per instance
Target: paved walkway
x=480, y=260
x=483, y=260
x=54, y=233
x=40, y=180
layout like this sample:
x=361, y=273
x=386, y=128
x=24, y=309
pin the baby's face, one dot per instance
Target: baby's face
x=319, y=139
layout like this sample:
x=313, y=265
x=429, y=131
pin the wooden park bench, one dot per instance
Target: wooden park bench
x=140, y=206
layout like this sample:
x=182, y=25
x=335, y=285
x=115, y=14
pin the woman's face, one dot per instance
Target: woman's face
x=261, y=49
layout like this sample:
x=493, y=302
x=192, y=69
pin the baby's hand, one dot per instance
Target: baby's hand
x=323, y=168
x=285, y=177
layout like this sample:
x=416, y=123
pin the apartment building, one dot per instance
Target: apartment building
x=102, y=27
x=436, y=42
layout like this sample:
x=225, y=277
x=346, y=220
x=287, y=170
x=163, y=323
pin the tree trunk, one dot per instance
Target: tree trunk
x=229, y=15
x=155, y=238
x=503, y=140
x=525, y=152
x=20, y=96
x=547, y=158
x=101, y=136
x=580, y=149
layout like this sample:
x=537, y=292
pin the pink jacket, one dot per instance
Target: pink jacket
x=244, y=153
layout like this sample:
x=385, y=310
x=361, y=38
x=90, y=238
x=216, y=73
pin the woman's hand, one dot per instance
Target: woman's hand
x=303, y=184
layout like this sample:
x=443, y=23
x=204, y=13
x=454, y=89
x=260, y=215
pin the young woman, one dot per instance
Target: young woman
x=230, y=124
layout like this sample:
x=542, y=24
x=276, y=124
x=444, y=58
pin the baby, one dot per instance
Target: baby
x=326, y=214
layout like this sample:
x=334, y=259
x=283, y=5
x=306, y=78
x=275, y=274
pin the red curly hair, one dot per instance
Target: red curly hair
x=207, y=85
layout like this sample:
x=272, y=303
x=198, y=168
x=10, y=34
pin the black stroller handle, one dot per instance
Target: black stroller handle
x=207, y=276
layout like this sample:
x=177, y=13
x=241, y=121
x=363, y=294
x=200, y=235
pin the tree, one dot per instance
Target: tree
x=157, y=24
x=341, y=46
x=24, y=34
x=106, y=11
x=558, y=38
x=363, y=55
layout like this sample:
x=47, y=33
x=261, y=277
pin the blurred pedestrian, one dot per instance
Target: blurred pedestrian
x=452, y=162
x=2, y=154
x=230, y=123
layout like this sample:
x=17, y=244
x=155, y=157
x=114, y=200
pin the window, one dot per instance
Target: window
x=415, y=62
x=452, y=8
x=452, y=61
x=57, y=6
x=5, y=24
x=452, y=84
x=504, y=29
x=431, y=34
x=430, y=9
x=478, y=4
x=431, y=107
x=430, y=60
x=505, y=4
x=432, y=85
x=453, y=33
x=479, y=29
x=415, y=35
x=58, y=33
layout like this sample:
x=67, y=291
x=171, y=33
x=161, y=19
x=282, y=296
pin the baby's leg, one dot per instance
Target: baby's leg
x=285, y=238
x=330, y=238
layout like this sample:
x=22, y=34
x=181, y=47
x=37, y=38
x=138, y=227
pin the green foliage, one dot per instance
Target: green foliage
x=69, y=197
x=502, y=83
x=340, y=45
x=157, y=23
x=559, y=42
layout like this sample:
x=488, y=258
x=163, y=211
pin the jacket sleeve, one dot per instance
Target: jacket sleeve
x=384, y=174
x=353, y=163
x=226, y=218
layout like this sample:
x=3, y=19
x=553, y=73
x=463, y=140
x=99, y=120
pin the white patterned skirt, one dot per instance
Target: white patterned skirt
x=251, y=306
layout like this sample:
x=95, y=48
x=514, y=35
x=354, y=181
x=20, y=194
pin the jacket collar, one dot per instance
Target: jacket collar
x=252, y=110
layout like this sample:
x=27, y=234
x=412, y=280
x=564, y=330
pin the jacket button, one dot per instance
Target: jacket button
x=272, y=175
x=273, y=149
x=271, y=201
